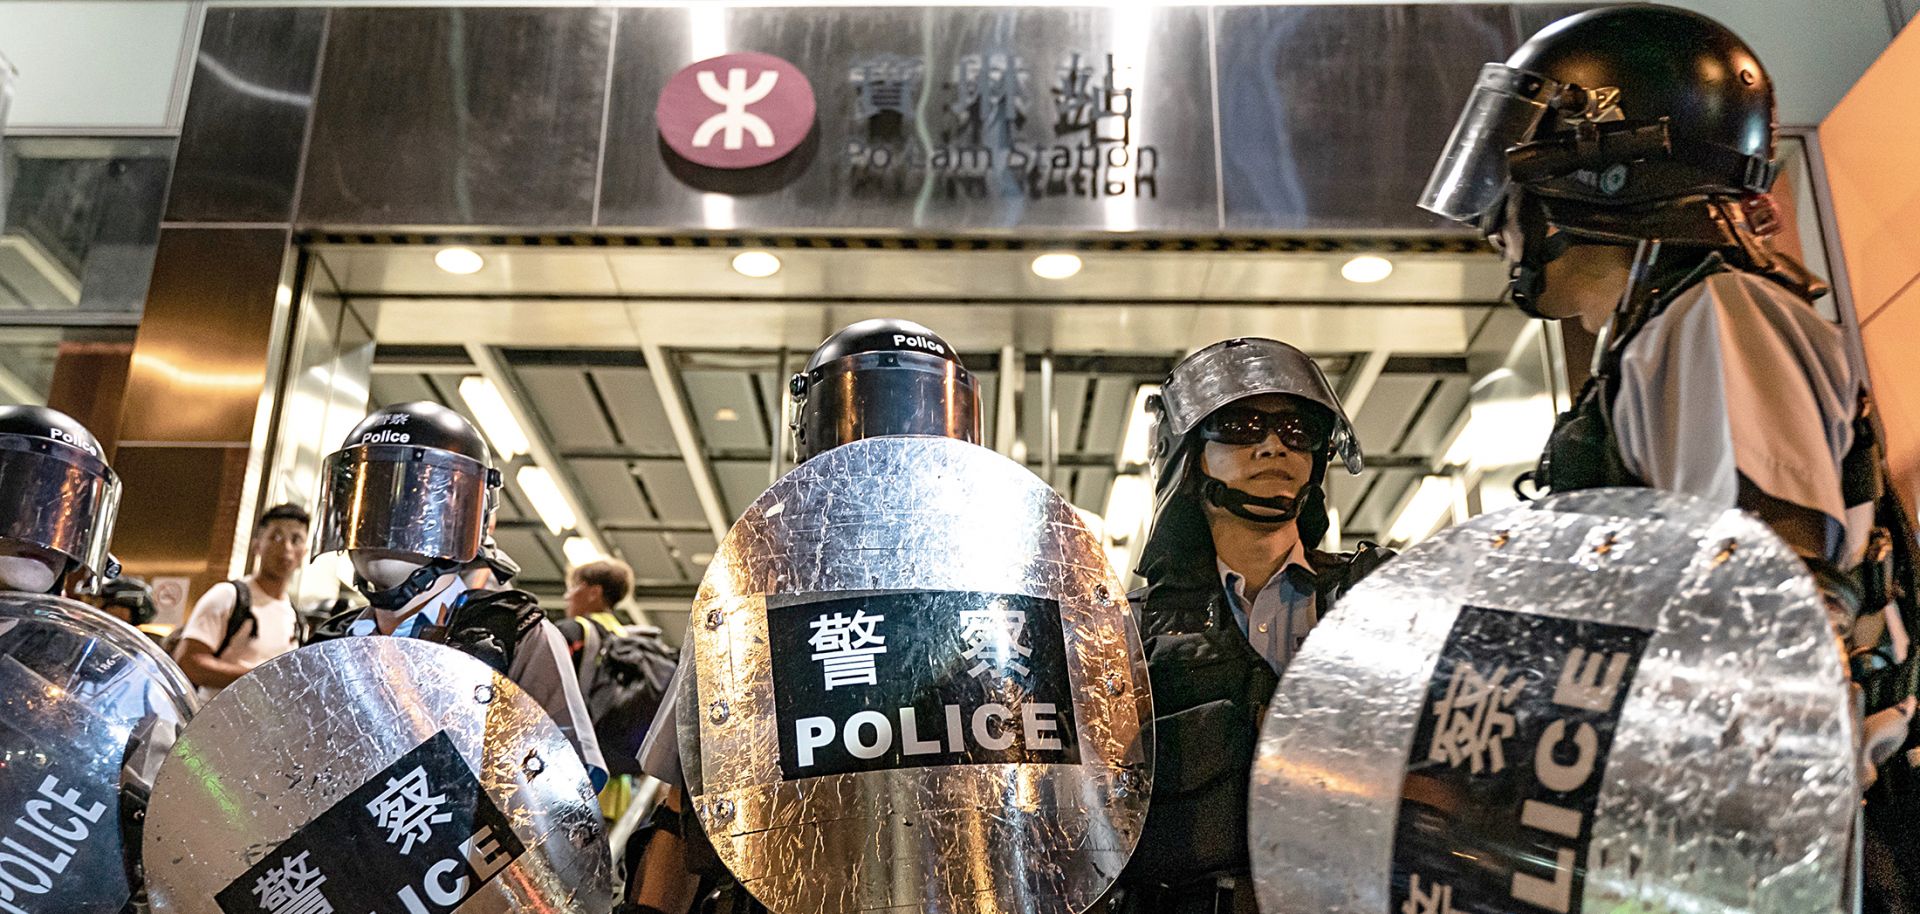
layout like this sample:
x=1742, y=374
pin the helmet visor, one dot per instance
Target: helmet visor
x=871, y=394
x=1470, y=180
x=400, y=498
x=57, y=497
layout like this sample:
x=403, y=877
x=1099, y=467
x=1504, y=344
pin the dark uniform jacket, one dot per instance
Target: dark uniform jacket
x=1210, y=691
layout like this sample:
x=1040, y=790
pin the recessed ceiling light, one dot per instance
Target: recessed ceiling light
x=459, y=260
x=756, y=264
x=1056, y=266
x=1367, y=268
x=726, y=414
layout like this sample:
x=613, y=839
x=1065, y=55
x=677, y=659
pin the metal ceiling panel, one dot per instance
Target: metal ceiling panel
x=388, y=389
x=741, y=481
x=560, y=396
x=1429, y=429
x=634, y=402
x=1376, y=513
x=725, y=409
x=524, y=546
x=608, y=487
x=1392, y=404
x=1090, y=488
x=670, y=487
x=773, y=392
x=1108, y=414
x=647, y=553
x=694, y=551
x=1069, y=401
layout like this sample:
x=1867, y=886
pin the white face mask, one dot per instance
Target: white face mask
x=27, y=574
x=386, y=571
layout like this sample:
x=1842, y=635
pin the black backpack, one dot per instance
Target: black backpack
x=623, y=677
x=241, y=617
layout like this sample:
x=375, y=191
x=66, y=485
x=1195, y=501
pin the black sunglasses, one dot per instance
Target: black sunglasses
x=1244, y=425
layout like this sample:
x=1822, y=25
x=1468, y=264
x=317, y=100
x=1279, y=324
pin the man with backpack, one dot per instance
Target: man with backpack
x=240, y=624
x=623, y=670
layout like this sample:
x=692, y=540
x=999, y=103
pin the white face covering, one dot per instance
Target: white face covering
x=28, y=574
x=384, y=570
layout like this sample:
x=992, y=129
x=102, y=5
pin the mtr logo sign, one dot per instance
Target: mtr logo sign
x=736, y=110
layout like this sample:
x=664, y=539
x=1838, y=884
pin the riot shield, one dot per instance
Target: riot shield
x=918, y=688
x=88, y=707
x=375, y=774
x=1610, y=700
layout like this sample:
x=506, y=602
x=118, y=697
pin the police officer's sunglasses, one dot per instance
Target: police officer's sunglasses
x=1244, y=425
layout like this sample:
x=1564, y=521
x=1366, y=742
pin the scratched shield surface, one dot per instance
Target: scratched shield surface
x=290, y=788
x=1611, y=700
x=88, y=708
x=915, y=525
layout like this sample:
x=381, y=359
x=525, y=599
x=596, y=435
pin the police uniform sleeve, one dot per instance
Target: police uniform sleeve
x=208, y=623
x=1738, y=377
x=541, y=669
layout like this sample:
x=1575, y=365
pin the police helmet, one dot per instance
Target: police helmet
x=882, y=377
x=412, y=479
x=1618, y=108
x=57, y=493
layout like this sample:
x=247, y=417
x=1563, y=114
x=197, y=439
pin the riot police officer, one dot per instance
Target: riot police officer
x=1620, y=161
x=871, y=378
x=1244, y=431
x=410, y=497
x=92, y=705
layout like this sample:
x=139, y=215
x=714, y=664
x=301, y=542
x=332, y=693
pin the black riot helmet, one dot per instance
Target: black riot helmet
x=414, y=479
x=1620, y=126
x=57, y=493
x=882, y=377
x=1195, y=392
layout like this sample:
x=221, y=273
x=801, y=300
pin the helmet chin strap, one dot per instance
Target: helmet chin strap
x=1236, y=503
x=399, y=595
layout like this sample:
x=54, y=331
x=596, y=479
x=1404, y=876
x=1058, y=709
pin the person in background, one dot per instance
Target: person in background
x=238, y=625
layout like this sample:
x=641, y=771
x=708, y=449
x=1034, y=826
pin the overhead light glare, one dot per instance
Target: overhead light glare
x=1430, y=502
x=1056, y=266
x=1137, y=444
x=540, y=489
x=1502, y=433
x=1367, y=268
x=490, y=408
x=581, y=551
x=755, y=264
x=726, y=414
x=459, y=261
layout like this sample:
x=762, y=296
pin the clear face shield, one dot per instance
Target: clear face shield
x=1507, y=105
x=871, y=394
x=405, y=499
x=58, y=497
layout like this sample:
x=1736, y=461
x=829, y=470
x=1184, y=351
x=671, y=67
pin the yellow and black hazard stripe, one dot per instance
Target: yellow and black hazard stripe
x=1252, y=244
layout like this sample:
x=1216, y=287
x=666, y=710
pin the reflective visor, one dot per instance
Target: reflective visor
x=59, y=497
x=402, y=498
x=871, y=394
x=1470, y=179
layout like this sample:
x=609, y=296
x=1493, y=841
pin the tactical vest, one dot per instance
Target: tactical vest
x=485, y=624
x=1210, y=691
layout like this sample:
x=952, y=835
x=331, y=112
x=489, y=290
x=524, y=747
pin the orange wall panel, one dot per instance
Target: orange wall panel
x=1889, y=337
x=1871, y=143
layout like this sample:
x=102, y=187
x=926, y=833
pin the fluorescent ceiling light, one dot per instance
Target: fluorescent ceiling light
x=756, y=264
x=726, y=414
x=1056, y=266
x=488, y=406
x=1367, y=268
x=1502, y=433
x=1137, y=444
x=540, y=489
x=459, y=261
x=580, y=551
x=1129, y=504
x=1430, y=502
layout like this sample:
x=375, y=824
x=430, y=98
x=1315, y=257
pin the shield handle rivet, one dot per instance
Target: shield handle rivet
x=1726, y=552
x=1606, y=543
x=533, y=764
x=718, y=712
x=483, y=694
x=1501, y=538
x=714, y=618
x=1114, y=686
x=723, y=810
x=1101, y=593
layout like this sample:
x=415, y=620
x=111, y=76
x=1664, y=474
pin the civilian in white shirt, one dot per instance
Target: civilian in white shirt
x=220, y=645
